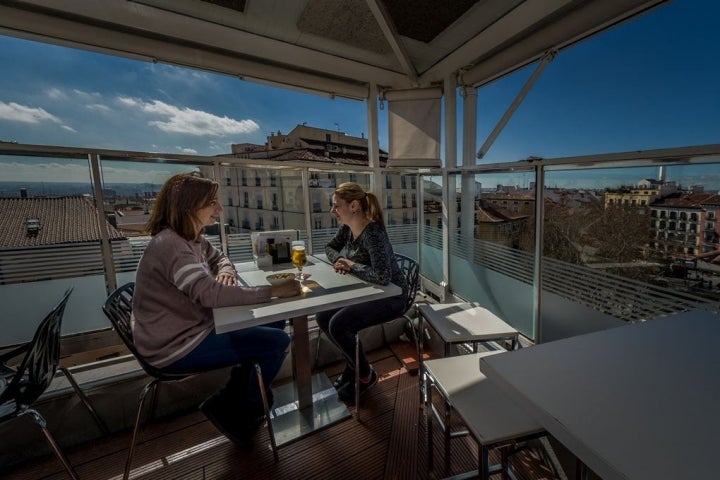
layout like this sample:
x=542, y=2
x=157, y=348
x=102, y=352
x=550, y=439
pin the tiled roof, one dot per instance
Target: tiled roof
x=306, y=154
x=693, y=200
x=487, y=212
x=62, y=220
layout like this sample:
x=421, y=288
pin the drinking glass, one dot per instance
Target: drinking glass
x=299, y=258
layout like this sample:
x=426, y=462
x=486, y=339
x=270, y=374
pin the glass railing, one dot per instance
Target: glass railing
x=38, y=262
x=612, y=251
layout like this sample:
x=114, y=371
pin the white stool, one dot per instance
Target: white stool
x=491, y=418
x=457, y=323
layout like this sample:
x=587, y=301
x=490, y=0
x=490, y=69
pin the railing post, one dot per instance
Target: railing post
x=105, y=246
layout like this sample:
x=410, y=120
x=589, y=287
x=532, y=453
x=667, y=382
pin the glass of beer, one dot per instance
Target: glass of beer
x=298, y=257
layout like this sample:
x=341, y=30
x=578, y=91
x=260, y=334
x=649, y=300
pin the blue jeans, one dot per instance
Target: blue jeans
x=266, y=345
x=341, y=325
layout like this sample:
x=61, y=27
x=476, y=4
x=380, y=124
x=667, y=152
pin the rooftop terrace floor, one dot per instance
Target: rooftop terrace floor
x=388, y=443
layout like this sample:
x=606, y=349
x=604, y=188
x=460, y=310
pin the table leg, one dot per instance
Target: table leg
x=301, y=362
x=310, y=402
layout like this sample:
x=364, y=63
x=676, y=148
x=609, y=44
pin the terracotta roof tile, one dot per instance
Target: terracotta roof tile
x=62, y=220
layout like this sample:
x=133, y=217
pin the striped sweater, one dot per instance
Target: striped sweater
x=175, y=292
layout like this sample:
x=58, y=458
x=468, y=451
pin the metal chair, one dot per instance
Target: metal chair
x=411, y=270
x=20, y=387
x=118, y=308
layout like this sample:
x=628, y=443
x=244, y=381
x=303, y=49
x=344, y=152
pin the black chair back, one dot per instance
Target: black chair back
x=118, y=309
x=411, y=270
x=40, y=362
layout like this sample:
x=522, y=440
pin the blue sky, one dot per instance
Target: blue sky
x=651, y=83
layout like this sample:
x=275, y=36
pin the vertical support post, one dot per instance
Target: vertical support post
x=538, y=263
x=467, y=188
x=105, y=246
x=223, y=218
x=373, y=141
x=449, y=210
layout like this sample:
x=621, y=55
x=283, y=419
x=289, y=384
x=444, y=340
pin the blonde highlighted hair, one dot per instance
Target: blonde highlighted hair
x=369, y=203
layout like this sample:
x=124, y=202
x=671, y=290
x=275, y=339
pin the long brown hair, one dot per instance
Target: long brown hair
x=369, y=203
x=179, y=200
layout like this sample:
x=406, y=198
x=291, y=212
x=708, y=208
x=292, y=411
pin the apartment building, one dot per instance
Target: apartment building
x=258, y=199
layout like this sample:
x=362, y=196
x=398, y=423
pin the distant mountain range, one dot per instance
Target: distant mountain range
x=59, y=189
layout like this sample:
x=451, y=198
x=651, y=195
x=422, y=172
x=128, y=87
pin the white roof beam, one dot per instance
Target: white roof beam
x=586, y=20
x=391, y=35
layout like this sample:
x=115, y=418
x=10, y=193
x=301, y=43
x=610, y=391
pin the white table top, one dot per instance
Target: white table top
x=638, y=401
x=325, y=290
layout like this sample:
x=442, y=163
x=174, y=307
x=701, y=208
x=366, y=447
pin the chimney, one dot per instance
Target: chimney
x=32, y=226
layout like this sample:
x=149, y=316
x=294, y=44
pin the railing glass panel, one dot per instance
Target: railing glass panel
x=492, y=241
x=611, y=257
x=40, y=254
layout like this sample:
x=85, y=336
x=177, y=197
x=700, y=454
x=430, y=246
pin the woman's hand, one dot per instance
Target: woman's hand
x=343, y=266
x=226, y=279
x=287, y=288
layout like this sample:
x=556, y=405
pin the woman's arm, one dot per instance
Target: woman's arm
x=198, y=281
x=379, y=252
x=336, y=244
x=220, y=264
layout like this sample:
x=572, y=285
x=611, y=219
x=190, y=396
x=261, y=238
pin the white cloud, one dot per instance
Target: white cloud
x=127, y=101
x=87, y=95
x=187, y=151
x=20, y=113
x=190, y=122
x=99, y=107
x=56, y=94
x=68, y=128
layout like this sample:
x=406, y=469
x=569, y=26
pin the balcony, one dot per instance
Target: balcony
x=560, y=265
x=496, y=267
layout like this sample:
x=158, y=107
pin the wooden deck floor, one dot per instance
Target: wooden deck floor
x=388, y=443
